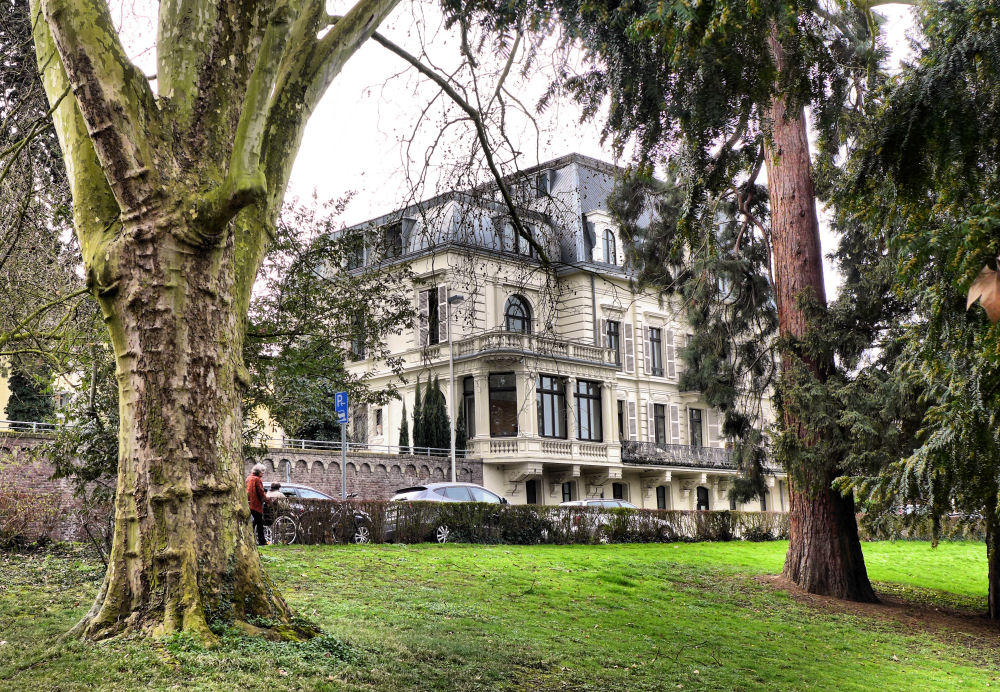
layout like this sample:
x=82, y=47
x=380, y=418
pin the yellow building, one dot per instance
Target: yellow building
x=569, y=380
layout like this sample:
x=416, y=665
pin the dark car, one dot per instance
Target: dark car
x=283, y=516
x=438, y=492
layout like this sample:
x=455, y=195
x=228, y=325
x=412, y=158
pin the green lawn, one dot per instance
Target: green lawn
x=611, y=617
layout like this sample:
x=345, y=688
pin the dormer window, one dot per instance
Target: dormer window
x=610, y=247
x=512, y=241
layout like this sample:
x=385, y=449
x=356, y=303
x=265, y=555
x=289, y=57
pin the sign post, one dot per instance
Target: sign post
x=341, y=407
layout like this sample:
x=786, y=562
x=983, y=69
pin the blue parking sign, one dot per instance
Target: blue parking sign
x=341, y=407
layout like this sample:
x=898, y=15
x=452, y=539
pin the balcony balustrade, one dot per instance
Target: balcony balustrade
x=654, y=454
x=502, y=341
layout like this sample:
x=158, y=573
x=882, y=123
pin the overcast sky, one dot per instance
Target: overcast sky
x=356, y=140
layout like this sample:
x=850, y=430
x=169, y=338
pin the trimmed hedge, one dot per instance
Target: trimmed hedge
x=333, y=521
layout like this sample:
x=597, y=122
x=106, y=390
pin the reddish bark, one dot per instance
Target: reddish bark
x=824, y=552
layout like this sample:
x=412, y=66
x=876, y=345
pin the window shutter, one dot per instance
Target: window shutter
x=713, y=427
x=671, y=368
x=633, y=422
x=443, y=317
x=604, y=333
x=650, y=422
x=422, y=312
x=629, y=348
x=675, y=425
x=646, y=367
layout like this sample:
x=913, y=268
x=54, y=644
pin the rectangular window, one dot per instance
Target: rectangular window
x=503, y=405
x=660, y=424
x=469, y=401
x=618, y=491
x=433, y=316
x=392, y=240
x=614, y=339
x=531, y=492
x=589, y=424
x=550, y=400
x=661, y=497
x=694, y=426
x=567, y=492
x=357, y=339
x=378, y=422
x=621, y=420
x=656, y=351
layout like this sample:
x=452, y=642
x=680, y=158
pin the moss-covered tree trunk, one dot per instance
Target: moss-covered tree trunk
x=824, y=551
x=175, y=196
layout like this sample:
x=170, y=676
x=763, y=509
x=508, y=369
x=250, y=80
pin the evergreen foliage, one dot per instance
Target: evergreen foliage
x=404, y=433
x=461, y=430
x=419, y=436
x=30, y=395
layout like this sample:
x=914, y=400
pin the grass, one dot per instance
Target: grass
x=615, y=617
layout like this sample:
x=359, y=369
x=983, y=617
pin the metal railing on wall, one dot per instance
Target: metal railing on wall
x=37, y=427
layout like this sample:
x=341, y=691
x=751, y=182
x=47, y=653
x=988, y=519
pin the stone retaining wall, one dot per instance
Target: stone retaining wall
x=371, y=476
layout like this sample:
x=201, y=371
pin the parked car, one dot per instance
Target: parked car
x=438, y=492
x=283, y=518
x=599, y=502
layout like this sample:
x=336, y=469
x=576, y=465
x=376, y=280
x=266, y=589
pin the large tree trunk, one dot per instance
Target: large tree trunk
x=183, y=552
x=824, y=552
x=993, y=559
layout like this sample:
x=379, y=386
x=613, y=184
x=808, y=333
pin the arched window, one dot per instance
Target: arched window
x=610, y=248
x=517, y=315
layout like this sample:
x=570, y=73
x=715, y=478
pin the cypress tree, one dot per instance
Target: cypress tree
x=404, y=434
x=431, y=414
x=419, y=439
x=461, y=433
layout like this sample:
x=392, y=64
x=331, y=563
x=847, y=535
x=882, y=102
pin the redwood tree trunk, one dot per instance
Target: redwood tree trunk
x=824, y=552
x=993, y=561
x=183, y=551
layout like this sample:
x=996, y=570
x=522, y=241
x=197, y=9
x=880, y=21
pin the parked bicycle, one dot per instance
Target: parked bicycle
x=283, y=518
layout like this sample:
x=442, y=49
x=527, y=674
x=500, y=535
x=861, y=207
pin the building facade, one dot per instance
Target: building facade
x=567, y=377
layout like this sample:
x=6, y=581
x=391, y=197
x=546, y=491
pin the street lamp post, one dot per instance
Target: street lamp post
x=452, y=300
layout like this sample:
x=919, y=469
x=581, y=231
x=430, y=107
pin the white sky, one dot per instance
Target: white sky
x=354, y=142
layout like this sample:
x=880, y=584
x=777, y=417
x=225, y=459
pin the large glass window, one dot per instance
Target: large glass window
x=567, y=492
x=613, y=331
x=621, y=419
x=433, y=316
x=469, y=402
x=660, y=424
x=610, y=247
x=503, y=405
x=661, y=497
x=702, y=497
x=550, y=400
x=694, y=426
x=589, y=424
x=656, y=351
x=517, y=315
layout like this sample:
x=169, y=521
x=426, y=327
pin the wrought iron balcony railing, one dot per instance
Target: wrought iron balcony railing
x=651, y=453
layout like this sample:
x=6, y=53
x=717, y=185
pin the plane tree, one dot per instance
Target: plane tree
x=176, y=194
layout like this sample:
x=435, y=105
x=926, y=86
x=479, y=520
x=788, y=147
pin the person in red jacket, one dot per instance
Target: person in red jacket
x=256, y=495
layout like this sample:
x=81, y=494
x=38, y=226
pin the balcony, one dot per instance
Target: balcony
x=653, y=454
x=506, y=448
x=501, y=341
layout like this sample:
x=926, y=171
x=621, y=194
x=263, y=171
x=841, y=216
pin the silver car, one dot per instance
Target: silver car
x=439, y=492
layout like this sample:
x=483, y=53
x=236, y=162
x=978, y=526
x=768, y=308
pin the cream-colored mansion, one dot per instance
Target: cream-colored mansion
x=568, y=379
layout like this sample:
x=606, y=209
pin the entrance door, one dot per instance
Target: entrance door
x=702, y=498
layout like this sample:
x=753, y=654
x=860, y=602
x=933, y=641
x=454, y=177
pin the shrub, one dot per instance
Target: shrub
x=326, y=521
